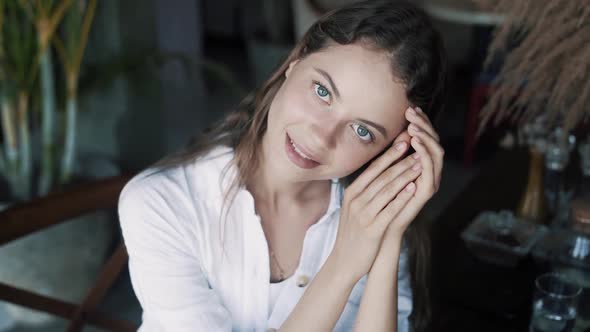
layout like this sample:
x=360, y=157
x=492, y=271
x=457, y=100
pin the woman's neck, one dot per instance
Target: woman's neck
x=276, y=193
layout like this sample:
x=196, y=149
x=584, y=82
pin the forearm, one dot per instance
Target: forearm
x=322, y=303
x=378, y=308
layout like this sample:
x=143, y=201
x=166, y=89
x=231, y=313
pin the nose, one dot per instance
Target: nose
x=324, y=133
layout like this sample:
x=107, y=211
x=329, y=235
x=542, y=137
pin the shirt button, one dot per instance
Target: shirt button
x=302, y=280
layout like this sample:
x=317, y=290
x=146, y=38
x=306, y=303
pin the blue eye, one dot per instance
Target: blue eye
x=363, y=133
x=322, y=92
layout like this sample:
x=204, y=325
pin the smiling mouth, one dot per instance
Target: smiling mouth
x=299, y=151
x=297, y=155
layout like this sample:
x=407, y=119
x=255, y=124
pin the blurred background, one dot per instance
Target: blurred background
x=94, y=91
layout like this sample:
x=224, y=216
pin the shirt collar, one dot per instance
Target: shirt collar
x=336, y=194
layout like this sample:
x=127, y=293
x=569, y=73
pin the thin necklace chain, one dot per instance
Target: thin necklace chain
x=277, y=263
x=274, y=256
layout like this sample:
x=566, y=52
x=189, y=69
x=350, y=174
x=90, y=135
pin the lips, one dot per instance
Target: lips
x=302, y=151
x=299, y=155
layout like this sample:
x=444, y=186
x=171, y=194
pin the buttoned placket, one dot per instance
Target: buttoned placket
x=311, y=259
x=257, y=250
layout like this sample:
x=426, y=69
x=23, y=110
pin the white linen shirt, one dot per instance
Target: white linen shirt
x=192, y=271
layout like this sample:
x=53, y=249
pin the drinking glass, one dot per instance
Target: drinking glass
x=554, y=303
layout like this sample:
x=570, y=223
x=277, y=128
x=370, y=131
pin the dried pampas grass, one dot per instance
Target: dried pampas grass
x=548, y=71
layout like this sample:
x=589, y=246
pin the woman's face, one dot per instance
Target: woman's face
x=338, y=107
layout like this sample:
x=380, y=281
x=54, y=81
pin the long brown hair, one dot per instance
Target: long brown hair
x=397, y=28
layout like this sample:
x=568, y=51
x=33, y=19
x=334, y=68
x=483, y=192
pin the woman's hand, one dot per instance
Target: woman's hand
x=381, y=294
x=430, y=153
x=370, y=204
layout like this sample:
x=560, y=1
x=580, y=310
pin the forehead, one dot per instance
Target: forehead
x=366, y=82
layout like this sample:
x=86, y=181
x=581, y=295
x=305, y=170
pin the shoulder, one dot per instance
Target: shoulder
x=198, y=179
x=172, y=197
x=208, y=176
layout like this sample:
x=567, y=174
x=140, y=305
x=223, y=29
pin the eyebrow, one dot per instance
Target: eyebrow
x=330, y=81
x=380, y=128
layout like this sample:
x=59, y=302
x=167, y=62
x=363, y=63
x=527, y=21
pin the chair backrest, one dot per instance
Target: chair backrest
x=25, y=218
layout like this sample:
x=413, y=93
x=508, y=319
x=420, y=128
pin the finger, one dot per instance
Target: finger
x=391, y=189
x=385, y=179
x=421, y=194
x=418, y=118
x=436, y=152
x=374, y=186
x=380, y=164
x=409, y=211
x=423, y=115
x=394, y=208
x=425, y=184
x=413, y=129
x=431, y=143
x=403, y=137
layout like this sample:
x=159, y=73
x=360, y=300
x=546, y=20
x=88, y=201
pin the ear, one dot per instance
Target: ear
x=291, y=65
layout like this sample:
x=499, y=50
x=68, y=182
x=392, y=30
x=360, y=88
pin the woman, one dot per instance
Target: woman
x=290, y=213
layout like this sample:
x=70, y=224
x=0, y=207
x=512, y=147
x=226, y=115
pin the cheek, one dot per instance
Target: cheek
x=295, y=102
x=349, y=159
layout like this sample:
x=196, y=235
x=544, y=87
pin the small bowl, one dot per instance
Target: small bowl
x=501, y=238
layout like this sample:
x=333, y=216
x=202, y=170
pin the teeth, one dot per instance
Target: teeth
x=299, y=151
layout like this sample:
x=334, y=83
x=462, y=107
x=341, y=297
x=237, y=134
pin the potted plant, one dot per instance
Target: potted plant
x=27, y=82
x=39, y=105
x=38, y=150
x=542, y=79
x=546, y=62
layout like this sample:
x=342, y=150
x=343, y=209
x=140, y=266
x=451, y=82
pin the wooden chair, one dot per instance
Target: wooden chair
x=28, y=217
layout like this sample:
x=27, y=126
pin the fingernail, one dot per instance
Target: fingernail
x=410, y=187
x=417, y=140
x=416, y=156
x=414, y=128
x=417, y=166
x=411, y=111
x=400, y=146
x=418, y=110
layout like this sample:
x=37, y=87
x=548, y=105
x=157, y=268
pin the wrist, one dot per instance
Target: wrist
x=390, y=248
x=342, y=271
x=393, y=239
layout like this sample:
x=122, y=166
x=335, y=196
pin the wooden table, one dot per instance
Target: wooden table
x=469, y=294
